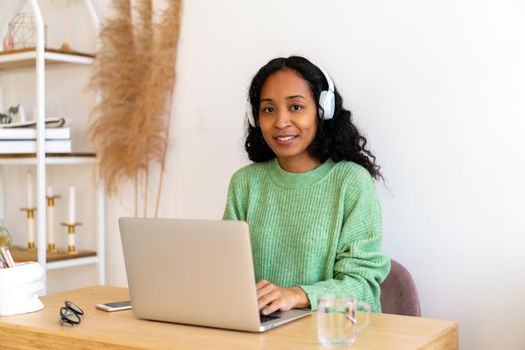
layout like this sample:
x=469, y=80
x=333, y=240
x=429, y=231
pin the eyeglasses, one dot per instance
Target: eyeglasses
x=70, y=314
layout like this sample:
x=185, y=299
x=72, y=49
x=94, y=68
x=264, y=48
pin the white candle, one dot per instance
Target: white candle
x=29, y=190
x=50, y=219
x=71, y=205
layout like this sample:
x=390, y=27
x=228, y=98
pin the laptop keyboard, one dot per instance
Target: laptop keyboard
x=266, y=318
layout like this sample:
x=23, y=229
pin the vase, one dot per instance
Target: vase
x=5, y=237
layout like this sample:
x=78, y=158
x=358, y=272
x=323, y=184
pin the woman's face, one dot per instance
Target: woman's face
x=288, y=119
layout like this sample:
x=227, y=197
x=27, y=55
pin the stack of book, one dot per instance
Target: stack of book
x=18, y=139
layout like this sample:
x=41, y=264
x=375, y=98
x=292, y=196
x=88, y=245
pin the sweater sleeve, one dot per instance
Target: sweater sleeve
x=359, y=266
x=235, y=209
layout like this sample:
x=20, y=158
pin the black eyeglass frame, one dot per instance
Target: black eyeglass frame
x=70, y=313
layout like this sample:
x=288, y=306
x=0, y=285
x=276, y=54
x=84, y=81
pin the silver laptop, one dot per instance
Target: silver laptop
x=197, y=272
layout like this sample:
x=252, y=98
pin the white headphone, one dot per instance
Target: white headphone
x=326, y=101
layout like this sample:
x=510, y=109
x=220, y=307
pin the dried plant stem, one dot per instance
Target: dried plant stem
x=157, y=200
x=136, y=195
x=159, y=187
x=146, y=191
x=163, y=164
x=169, y=36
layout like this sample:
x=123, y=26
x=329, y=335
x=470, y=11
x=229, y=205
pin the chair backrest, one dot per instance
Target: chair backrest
x=399, y=293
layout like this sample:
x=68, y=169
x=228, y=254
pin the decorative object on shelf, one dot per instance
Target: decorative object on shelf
x=30, y=212
x=22, y=31
x=13, y=113
x=51, y=247
x=55, y=122
x=8, y=42
x=20, y=137
x=71, y=247
x=5, y=118
x=135, y=75
x=5, y=237
x=20, y=114
x=29, y=133
x=65, y=45
x=71, y=223
x=29, y=146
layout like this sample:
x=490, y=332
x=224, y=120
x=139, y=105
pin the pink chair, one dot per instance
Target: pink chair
x=399, y=293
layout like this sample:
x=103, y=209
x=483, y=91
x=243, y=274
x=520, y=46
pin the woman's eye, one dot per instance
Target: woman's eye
x=296, y=108
x=268, y=109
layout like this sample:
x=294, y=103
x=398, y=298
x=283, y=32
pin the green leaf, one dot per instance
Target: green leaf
x=5, y=119
x=13, y=110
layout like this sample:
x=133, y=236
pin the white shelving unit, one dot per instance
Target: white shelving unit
x=51, y=159
x=39, y=58
x=26, y=58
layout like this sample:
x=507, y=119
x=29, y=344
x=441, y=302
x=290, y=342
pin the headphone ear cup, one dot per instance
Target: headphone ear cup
x=327, y=102
x=249, y=114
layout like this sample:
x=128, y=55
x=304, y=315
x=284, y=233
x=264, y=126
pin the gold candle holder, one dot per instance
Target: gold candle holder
x=71, y=248
x=30, y=213
x=51, y=247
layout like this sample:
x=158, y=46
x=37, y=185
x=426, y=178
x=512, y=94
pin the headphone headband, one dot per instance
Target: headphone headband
x=326, y=76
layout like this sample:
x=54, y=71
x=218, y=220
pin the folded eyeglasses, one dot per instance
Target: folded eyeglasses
x=70, y=314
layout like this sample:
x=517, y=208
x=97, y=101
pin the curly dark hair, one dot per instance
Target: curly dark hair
x=337, y=138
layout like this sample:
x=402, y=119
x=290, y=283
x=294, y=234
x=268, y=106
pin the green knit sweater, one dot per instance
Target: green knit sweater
x=320, y=230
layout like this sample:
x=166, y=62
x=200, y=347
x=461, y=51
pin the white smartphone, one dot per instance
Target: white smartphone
x=115, y=306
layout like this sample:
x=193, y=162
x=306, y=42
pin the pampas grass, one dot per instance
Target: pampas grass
x=135, y=74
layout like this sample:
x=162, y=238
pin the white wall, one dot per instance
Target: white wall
x=437, y=86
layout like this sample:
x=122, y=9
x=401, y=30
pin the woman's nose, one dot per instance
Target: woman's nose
x=283, y=120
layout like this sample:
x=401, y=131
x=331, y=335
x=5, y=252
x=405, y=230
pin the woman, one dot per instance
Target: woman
x=309, y=197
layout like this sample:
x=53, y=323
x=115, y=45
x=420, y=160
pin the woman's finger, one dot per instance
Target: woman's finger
x=265, y=289
x=268, y=298
x=261, y=284
x=274, y=306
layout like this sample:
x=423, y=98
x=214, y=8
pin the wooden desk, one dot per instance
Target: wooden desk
x=120, y=330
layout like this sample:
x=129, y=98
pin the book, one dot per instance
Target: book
x=29, y=146
x=50, y=123
x=30, y=133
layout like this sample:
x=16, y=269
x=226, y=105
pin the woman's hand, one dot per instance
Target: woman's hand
x=272, y=298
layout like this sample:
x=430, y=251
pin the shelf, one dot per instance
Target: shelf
x=56, y=260
x=89, y=260
x=51, y=158
x=27, y=57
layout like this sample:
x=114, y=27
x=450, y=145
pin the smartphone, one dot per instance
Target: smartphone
x=115, y=306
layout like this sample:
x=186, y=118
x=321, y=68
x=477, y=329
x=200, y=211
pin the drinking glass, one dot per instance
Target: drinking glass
x=337, y=318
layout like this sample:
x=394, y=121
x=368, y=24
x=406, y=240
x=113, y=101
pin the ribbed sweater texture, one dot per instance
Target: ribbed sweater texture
x=320, y=230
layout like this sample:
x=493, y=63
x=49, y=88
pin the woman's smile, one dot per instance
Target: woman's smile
x=285, y=140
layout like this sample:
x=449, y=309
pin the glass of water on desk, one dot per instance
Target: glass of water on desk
x=337, y=318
